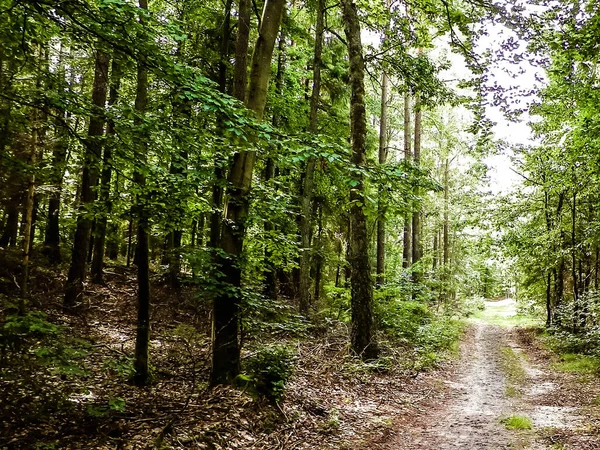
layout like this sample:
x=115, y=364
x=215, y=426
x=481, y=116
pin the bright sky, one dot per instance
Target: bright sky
x=513, y=77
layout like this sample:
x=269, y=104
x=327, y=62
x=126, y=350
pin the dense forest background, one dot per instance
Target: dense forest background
x=201, y=199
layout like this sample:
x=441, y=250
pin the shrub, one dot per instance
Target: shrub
x=402, y=319
x=34, y=352
x=267, y=371
x=338, y=303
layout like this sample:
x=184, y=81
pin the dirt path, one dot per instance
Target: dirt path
x=470, y=418
x=503, y=373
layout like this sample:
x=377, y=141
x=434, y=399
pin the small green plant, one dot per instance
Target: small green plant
x=512, y=392
x=114, y=405
x=333, y=422
x=472, y=305
x=33, y=337
x=517, y=422
x=122, y=367
x=267, y=371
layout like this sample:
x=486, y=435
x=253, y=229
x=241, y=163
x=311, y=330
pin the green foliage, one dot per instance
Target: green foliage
x=42, y=342
x=431, y=334
x=440, y=335
x=338, y=303
x=402, y=319
x=564, y=340
x=571, y=362
x=267, y=371
x=122, y=367
x=517, y=422
x=114, y=405
x=36, y=358
x=33, y=325
x=268, y=316
x=472, y=305
x=511, y=364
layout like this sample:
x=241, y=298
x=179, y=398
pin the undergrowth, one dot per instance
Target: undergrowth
x=579, y=353
x=37, y=360
x=432, y=335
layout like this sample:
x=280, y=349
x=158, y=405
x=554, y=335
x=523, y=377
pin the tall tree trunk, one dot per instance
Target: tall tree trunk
x=309, y=173
x=13, y=190
x=576, y=303
x=140, y=364
x=416, y=217
x=28, y=219
x=59, y=156
x=97, y=269
x=240, y=75
x=225, y=334
x=319, y=257
x=89, y=178
x=381, y=204
x=240, y=79
x=270, y=272
x=407, y=233
x=52, y=235
x=434, y=260
x=446, y=231
x=363, y=333
x=549, y=299
x=11, y=226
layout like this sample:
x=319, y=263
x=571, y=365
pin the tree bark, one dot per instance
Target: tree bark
x=240, y=75
x=446, y=231
x=142, y=341
x=382, y=201
x=435, y=251
x=270, y=272
x=407, y=233
x=240, y=78
x=309, y=173
x=416, y=216
x=89, y=178
x=29, y=198
x=225, y=334
x=363, y=333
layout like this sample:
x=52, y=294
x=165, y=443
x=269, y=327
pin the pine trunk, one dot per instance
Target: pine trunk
x=270, y=272
x=382, y=201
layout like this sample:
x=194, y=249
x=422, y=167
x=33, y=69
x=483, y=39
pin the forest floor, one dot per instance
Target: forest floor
x=68, y=388
x=81, y=399
x=507, y=391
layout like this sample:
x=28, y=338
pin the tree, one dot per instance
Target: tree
x=308, y=183
x=363, y=334
x=226, y=308
x=89, y=178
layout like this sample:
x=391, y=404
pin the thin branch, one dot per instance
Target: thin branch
x=337, y=36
